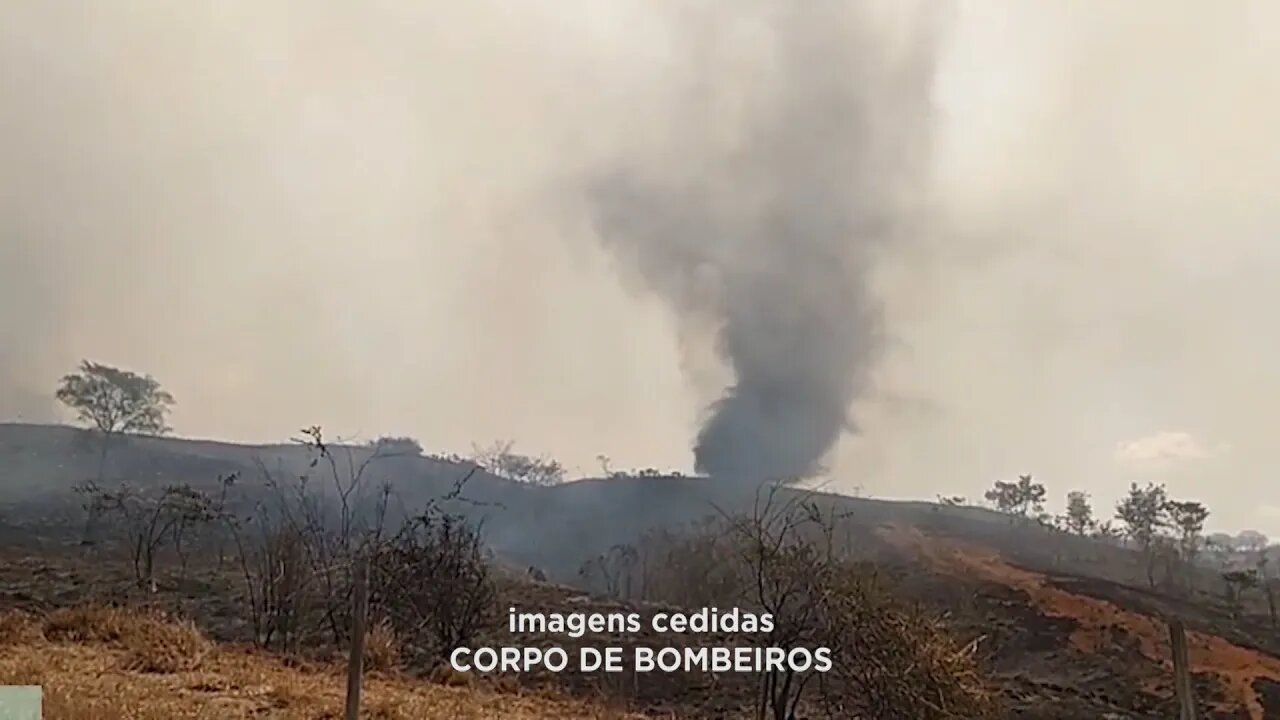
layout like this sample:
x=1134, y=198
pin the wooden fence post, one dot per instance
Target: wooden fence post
x=355, y=663
x=1181, y=669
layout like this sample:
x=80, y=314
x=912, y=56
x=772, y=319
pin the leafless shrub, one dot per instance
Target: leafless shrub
x=890, y=660
x=612, y=572
x=501, y=460
x=689, y=568
x=297, y=548
x=894, y=660
x=428, y=581
x=150, y=519
x=431, y=581
x=278, y=580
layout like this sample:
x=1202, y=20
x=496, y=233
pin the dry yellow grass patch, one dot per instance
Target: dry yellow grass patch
x=105, y=664
x=18, y=627
x=381, y=648
x=166, y=647
x=87, y=623
x=151, y=641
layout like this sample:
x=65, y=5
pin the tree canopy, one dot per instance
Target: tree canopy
x=1079, y=519
x=1188, y=518
x=500, y=460
x=1017, y=498
x=1144, y=512
x=116, y=401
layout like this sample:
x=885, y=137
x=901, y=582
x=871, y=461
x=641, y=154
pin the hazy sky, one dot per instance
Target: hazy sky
x=360, y=214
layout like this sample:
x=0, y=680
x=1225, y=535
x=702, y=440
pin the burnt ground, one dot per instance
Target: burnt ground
x=1065, y=625
x=1058, y=648
x=1067, y=645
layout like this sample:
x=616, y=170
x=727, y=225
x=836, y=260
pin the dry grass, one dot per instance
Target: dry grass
x=106, y=664
x=18, y=628
x=381, y=648
x=166, y=647
x=151, y=642
x=86, y=623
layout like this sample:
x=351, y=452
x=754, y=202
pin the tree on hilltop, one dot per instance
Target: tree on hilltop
x=1188, y=518
x=1017, y=498
x=501, y=460
x=114, y=401
x=1079, y=519
x=1143, y=514
x=1251, y=541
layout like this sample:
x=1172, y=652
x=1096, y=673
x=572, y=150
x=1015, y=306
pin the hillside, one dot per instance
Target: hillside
x=1066, y=625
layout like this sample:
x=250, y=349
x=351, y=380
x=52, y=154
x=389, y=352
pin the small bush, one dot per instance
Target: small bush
x=85, y=623
x=381, y=648
x=890, y=659
x=152, y=642
x=432, y=583
x=18, y=627
x=894, y=660
x=156, y=645
x=444, y=674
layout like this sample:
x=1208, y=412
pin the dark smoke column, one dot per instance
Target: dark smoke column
x=770, y=238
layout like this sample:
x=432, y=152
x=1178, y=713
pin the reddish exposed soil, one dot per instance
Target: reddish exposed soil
x=1246, y=676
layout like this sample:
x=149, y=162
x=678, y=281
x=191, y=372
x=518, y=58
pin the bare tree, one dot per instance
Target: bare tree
x=501, y=460
x=334, y=510
x=278, y=579
x=612, y=571
x=195, y=512
x=300, y=546
x=222, y=513
x=149, y=519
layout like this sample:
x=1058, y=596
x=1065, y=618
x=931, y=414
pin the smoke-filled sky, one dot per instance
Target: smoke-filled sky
x=378, y=216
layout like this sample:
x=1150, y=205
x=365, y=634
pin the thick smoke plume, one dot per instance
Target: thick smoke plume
x=765, y=227
x=366, y=214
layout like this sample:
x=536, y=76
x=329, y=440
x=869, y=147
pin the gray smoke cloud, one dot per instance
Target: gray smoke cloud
x=368, y=214
x=767, y=228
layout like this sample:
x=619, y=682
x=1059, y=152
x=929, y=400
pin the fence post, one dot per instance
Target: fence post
x=355, y=663
x=1181, y=669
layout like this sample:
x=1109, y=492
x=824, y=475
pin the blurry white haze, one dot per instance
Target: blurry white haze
x=948, y=243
